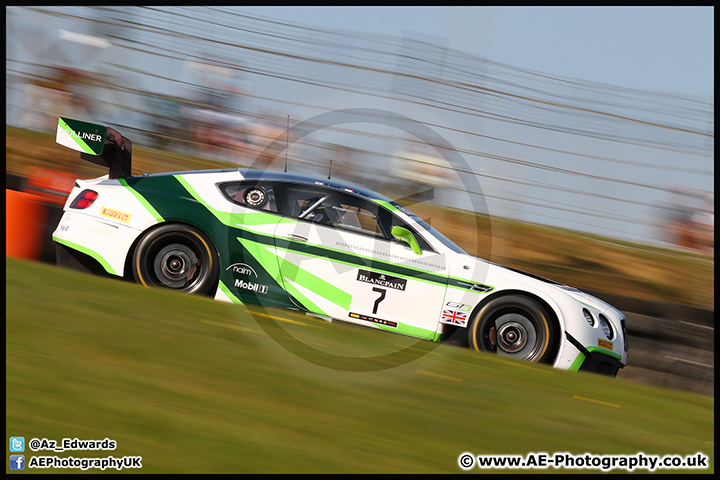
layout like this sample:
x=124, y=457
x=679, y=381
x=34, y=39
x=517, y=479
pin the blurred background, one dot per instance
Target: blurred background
x=221, y=83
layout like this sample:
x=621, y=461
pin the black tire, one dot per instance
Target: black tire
x=178, y=257
x=515, y=326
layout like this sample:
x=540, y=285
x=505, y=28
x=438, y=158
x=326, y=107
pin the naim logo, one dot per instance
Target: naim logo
x=242, y=269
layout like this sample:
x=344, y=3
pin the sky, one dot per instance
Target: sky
x=662, y=49
x=669, y=50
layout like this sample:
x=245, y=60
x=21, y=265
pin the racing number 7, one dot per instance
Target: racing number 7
x=382, y=293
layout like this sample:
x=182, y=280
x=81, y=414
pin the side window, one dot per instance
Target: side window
x=258, y=196
x=340, y=210
x=356, y=217
x=333, y=209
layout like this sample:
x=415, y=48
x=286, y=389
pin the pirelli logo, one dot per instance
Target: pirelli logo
x=115, y=214
x=605, y=344
x=381, y=280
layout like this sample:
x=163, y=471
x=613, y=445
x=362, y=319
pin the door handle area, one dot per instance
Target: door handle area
x=298, y=238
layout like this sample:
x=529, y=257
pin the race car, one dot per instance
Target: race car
x=327, y=248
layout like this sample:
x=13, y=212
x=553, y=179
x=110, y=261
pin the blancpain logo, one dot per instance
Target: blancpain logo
x=381, y=279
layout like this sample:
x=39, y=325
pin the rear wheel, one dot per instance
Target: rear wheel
x=515, y=326
x=178, y=257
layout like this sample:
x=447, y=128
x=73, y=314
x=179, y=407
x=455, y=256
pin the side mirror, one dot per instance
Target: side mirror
x=403, y=234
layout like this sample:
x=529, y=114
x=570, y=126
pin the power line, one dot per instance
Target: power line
x=479, y=102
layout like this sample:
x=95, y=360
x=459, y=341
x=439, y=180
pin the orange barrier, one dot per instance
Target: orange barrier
x=24, y=224
x=51, y=185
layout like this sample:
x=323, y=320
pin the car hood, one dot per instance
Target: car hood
x=530, y=279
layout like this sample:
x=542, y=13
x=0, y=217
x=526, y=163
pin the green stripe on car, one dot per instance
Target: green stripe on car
x=229, y=294
x=245, y=220
x=142, y=200
x=88, y=252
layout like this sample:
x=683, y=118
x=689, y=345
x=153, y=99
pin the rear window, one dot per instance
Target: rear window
x=251, y=195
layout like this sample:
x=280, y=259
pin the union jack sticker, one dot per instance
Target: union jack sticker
x=454, y=317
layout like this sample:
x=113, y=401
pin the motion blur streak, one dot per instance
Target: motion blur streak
x=219, y=83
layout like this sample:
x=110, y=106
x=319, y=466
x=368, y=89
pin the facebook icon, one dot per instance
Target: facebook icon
x=17, y=462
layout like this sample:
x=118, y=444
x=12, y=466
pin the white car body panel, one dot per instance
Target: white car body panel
x=109, y=227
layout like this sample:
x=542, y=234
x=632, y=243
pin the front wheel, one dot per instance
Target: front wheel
x=178, y=257
x=515, y=326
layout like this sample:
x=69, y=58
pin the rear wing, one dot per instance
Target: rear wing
x=99, y=145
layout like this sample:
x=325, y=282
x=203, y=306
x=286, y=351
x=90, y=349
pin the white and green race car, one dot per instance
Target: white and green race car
x=330, y=249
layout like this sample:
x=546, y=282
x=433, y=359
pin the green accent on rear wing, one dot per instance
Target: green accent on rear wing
x=81, y=136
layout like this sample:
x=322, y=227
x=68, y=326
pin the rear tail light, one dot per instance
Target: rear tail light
x=85, y=199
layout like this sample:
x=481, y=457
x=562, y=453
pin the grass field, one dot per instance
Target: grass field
x=194, y=385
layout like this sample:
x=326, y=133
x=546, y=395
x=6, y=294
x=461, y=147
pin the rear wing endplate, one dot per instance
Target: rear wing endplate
x=98, y=144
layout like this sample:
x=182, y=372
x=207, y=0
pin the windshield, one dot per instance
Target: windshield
x=430, y=229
